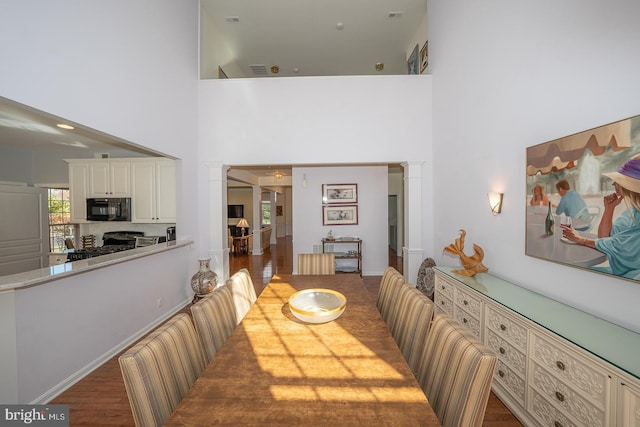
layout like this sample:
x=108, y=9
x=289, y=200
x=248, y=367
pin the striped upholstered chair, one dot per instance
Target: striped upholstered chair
x=390, y=285
x=244, y=293
x=455, y=372
x=410, y=322
x=159, y=370
x=317, y=263
x=214, y=318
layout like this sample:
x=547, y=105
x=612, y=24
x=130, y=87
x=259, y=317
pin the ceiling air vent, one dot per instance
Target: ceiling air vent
x=258, y=70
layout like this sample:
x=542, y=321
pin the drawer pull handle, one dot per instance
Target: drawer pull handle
x=465, y=302
x=501, y=373
x=502, y=350
x=559, y=396
x=557, y=424
x=560, y=365
x=503, y=327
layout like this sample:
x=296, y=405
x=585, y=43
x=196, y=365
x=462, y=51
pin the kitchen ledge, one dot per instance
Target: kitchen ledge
x=55, y=272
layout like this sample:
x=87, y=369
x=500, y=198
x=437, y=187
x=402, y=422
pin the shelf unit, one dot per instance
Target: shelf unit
x=348, y=253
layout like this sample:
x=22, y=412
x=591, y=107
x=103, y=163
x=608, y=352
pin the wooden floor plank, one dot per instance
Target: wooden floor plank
x=100, y=399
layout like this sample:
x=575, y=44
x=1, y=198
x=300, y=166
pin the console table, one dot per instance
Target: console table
x=557, y=366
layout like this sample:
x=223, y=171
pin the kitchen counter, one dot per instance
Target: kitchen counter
x=54, y=272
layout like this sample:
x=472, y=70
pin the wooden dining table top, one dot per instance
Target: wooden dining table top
x=277, y=370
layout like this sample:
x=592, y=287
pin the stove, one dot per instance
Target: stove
x=79, y=254
x=113, y=241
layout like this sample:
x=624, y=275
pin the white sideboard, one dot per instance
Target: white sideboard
x=557, y=366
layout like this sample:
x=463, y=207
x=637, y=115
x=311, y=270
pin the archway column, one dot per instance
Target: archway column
x=413, y=250
x=217, y=220
x=257, y=220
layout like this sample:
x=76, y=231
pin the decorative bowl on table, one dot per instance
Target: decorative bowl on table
x=317, y=305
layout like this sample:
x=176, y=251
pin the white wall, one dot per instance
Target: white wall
x=328, y=121
x=128, y=69
x=508, y=75
x=308, y=229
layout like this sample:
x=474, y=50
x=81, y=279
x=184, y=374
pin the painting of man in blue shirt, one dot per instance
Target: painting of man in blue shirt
x=571, y=203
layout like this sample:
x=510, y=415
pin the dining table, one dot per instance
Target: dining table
x=277, y=370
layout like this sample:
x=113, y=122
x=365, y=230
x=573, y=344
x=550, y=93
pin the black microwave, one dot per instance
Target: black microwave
x=109, y=209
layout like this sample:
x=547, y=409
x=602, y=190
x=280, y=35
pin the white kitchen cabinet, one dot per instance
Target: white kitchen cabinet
x=78, y=190
x=153, y=191
x=109, y=178
x=557, y=366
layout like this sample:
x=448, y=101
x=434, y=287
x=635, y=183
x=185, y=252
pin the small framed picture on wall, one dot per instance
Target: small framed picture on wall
x=424, y=56
x=412, y=62
x=340, y=215
x=339, y=193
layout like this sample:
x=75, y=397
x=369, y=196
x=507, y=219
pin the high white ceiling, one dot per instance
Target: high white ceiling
x=304, y=35
x=300, y=34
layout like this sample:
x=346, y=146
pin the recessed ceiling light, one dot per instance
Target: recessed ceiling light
x=339, y=25
x=65, y=126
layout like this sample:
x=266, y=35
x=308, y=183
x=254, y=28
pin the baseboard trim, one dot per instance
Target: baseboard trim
x=65, y=384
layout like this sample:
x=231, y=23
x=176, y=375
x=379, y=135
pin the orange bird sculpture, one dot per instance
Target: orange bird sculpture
x=472, y=264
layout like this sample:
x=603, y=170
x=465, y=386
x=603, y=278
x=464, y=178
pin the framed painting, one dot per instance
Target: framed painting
x=412, y=62
x=339, y=193
x=424, y=56
x=340, y=215
x=583, y=200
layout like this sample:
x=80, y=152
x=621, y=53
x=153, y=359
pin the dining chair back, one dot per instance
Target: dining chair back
x=317, y=263
x=214, y=318
x=390, y=285
x=159, y=370
x=456, y=372
x=243, y=291
x=410, y=323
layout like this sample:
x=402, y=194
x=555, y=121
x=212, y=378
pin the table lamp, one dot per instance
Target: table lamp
x=242, y=224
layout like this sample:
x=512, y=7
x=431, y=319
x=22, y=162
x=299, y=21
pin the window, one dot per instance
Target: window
x=60, y=227
x=265, y=210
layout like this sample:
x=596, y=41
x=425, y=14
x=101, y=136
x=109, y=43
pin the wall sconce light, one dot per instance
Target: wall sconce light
x=495, y=201
x=304, y=180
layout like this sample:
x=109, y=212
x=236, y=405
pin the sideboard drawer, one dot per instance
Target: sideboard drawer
x=444, y=287
x=468, y=321
x=507, y=353
x=468, y=303
x=629, y=408
x=505, y=326
x=546, y=414
x=571, y=368
x=510, y=381
x=443, y=303
x=565, y=399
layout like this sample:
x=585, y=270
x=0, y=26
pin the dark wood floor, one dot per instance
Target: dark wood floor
x=100, y=399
